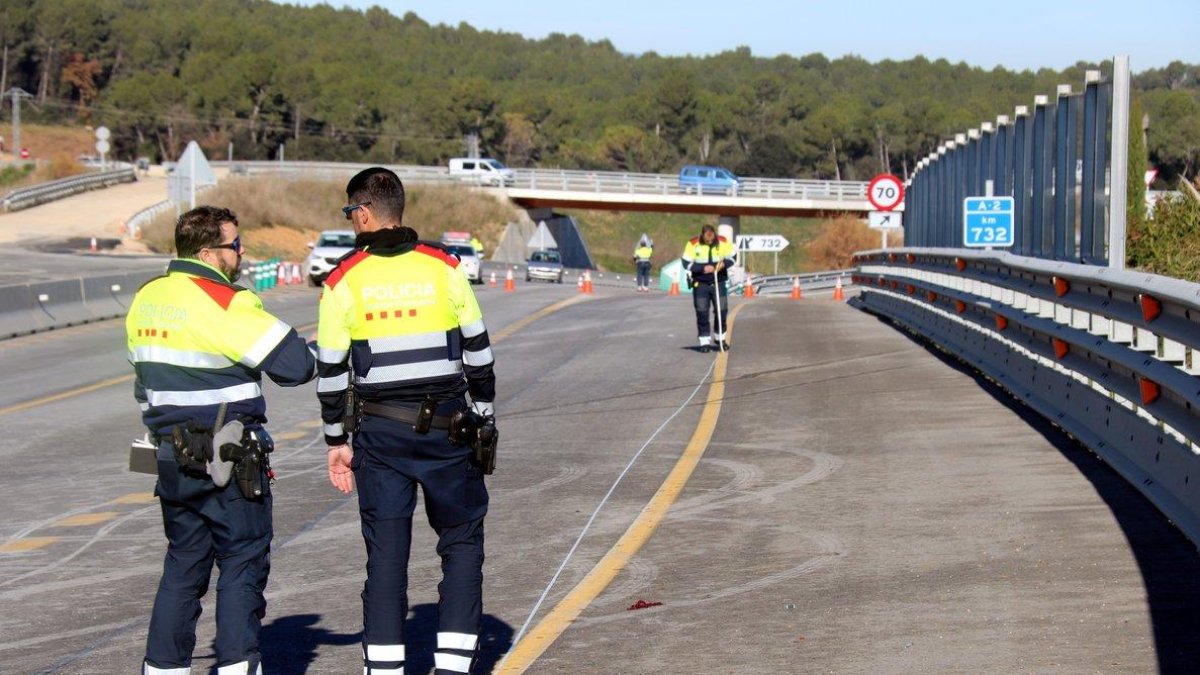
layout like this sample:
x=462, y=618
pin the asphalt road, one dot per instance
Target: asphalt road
x=861, y=506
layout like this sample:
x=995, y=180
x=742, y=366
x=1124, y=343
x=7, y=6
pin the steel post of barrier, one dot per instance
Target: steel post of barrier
x=1041, y=203
x=1120, y=163
x=1022, y=216
x=1092, y=202
x=1067, y=111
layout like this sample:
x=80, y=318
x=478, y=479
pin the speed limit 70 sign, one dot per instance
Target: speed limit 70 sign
x=885, y=192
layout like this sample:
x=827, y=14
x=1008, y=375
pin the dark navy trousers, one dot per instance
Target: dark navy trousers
x=643, y=273
x=390, y=461
x=206, y=524
x=704, y=301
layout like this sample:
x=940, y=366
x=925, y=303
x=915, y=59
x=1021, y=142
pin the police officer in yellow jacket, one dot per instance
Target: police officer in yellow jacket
x=641, y=257
x=707, y=259
x=199, y=346
x=400, y=329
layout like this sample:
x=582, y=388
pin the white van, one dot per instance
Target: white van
x=481, y=170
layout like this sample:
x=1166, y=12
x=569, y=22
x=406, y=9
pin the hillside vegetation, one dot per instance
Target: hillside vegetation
x=366, y=85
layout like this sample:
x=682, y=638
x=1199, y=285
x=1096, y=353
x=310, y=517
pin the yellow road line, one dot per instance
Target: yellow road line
x=525, y=652
x=541, y=313
x=27, y=544
x=86, y=519
x=17, y=407
x=292, y=435
x=135, y=498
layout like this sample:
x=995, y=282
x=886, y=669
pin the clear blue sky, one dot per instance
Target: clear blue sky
x=1016, y=34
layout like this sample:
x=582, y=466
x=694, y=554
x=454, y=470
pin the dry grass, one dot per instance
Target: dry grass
x=279, y=217
x=48, y=142
x=53, y=148
x=838, y=239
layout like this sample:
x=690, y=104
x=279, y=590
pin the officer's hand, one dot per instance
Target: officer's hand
x=339, y=468
x=708, y=269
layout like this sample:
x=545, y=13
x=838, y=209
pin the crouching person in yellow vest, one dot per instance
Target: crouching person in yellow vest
x=199, y=346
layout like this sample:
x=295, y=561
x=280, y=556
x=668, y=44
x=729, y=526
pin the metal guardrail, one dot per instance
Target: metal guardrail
x=779, y=284
x=24, y=198
x=1110, y=356
x=575, y=181
x=137, y=221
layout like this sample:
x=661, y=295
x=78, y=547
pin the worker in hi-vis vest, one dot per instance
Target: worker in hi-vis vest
x=707, y=259
x=199, y=346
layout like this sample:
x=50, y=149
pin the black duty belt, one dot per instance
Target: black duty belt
x=398, y=414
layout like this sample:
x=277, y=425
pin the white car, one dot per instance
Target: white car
x=468, y=261
x=484, y=171
x=326, y=251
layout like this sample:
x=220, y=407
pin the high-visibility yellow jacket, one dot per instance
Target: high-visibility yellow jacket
x=696, y=255
x=195, y=341
x=400, y=324
x=643, y=254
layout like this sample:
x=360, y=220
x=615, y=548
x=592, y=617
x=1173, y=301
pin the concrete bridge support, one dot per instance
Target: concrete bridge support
x=729, y=226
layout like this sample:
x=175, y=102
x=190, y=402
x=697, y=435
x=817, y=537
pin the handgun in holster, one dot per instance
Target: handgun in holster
x=487, y=436
x=250, y=463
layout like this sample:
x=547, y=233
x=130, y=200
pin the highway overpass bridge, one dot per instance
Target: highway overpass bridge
x=622, y=191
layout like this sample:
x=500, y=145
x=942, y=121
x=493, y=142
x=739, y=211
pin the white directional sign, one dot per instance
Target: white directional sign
x=884, y=220
x=755, y=243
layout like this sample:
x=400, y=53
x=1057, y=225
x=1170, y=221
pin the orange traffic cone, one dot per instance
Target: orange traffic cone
x=838, y=293
x=796, y=288
x=297, y=277
x=674, y=286
x=748, y=289
x=508, y=281
x=492, y=283
x=579, y=284
x=587, y=282
x=93, y=245
x=281, y=275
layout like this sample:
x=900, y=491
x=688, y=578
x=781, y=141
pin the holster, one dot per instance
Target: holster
x=192, y=447
x=250, y=463
x=353, y=412
x=487, y=437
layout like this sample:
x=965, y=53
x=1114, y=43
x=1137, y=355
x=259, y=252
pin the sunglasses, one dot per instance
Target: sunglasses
x=347, y=210
x=235, y=245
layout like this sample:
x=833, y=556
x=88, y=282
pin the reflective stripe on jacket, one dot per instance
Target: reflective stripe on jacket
x=196, y=341
x=697, y=254
x=400, y=326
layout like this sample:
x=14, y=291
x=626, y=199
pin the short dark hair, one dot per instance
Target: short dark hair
x=200, y=228
x=707, y=228
x=383, y=189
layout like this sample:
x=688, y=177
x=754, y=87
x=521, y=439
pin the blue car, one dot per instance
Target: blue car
x=712, y=180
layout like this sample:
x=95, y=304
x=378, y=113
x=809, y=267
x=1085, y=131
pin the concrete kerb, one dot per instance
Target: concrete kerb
x=62, y=301
x=17, y=311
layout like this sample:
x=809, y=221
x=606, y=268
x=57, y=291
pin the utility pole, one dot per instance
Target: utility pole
x=17, y=94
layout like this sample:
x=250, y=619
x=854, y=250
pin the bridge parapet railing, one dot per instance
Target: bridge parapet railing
x=668, y=184
x=1110, y=356
x=610, y=182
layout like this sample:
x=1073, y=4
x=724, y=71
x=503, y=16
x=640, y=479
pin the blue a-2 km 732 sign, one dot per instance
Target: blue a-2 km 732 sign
x=988, y=221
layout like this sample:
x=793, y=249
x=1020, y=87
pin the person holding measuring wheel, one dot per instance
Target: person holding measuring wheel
x=707, y=259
